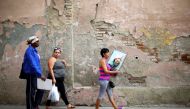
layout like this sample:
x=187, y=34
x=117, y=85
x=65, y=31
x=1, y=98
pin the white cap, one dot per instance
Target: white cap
x=33, y=39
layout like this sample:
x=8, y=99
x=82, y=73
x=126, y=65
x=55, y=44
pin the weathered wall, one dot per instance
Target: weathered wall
x=154, y=34
x=19, y=20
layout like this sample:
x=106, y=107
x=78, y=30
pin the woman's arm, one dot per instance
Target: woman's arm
x=33, y=61
x=104, y=66
x=51, y=63
x=64, y=62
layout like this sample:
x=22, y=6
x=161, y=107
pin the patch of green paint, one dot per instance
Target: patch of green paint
x=17, y=34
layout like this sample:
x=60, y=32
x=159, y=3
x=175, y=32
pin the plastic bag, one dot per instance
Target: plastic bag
x=53, y=94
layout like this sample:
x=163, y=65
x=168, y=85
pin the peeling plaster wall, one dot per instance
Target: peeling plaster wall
x=148, y=31
x=154, y=34
x=18, y=20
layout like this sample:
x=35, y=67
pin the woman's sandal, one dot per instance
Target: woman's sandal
x=72, y=106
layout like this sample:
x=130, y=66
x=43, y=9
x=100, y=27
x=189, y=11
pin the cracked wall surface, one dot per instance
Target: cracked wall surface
x=154, y=34
x=148, y=34
x=18, y=21
x=151, y=33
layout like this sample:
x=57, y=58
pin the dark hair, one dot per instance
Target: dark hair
x=56, y=48
x=28, y=42
x=103, y=51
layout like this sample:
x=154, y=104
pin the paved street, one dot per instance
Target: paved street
x=82, y=107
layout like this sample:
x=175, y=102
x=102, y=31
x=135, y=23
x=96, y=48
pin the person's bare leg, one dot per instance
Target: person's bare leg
x=69, y=106
x=113, y=102
x=97, y=103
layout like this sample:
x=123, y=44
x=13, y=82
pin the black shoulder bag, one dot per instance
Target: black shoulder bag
x=22, y=75
x=111, y=84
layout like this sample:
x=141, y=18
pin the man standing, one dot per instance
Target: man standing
x=32, y=69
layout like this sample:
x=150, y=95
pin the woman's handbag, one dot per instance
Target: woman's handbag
x=111, y=84
x=22, y=75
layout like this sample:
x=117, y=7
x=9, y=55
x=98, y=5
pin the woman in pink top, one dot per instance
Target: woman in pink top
x=104, y=78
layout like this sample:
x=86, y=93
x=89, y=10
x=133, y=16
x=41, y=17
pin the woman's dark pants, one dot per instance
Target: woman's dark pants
x=33, y=95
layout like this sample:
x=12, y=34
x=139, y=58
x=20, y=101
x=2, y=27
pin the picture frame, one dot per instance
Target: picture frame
x=116, y=59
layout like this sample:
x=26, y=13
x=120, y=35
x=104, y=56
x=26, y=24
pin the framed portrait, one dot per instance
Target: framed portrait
x=116, y=59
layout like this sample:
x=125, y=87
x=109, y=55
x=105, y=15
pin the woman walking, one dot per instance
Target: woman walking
x=57, y=74
x=32, y=70
x=105, y=73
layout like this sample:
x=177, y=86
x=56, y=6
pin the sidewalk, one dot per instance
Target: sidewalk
x=85, y=107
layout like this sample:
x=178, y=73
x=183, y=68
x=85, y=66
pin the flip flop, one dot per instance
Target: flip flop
x=72, y=106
